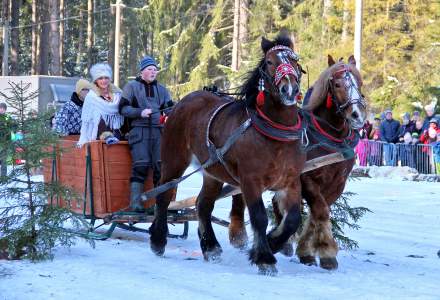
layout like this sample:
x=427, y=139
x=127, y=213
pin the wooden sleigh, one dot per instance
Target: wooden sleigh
x=101, y=173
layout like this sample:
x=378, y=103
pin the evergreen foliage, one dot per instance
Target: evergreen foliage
x=29, y=226
x=192, y=40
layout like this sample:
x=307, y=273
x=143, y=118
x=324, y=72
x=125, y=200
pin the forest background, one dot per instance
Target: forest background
x=200, y=43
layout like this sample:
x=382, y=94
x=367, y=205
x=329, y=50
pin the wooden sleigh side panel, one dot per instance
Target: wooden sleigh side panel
x=110, y=172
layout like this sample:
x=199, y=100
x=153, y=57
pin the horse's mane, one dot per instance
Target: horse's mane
x=249, y=89
x=321, y=86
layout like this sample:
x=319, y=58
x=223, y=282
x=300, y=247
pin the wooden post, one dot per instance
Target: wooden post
x=358, y=34
x=118, y=6
x=5, y=66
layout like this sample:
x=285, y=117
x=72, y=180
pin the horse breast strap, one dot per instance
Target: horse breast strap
x=277, y=131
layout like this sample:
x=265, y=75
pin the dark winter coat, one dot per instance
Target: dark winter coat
x=68, y=118
x=389, y=131
x=139, y=95
x=410, y=127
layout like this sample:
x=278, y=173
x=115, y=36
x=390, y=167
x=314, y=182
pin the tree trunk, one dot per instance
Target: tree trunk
x=61, y=28
x=133, y=66
x=325, y=14
x=111, y=38
x=236, y=36
x=90, y=54
x=80, y=39
x=243, y=31
x=35, y=66
x=385, y=45
x=5, y=17
x=55, y=68
x=345, y=21
x=44, y=38
x=15, y=35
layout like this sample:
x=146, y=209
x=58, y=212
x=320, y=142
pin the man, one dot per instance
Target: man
x=389, y=133
x=429, y=109
x=4, y=136
x=142, y=101
x=68, y=119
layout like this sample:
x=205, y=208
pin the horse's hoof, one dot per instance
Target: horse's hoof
x=213, y=255
x=261, y=258
x=267, y=270
x=308, y=260
x=287, y=250
x=328, y=263
x=239, y=241
x=159, y=251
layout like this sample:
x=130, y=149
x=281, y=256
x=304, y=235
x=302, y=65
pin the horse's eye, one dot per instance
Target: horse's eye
x=337, y=85
x=269, y=62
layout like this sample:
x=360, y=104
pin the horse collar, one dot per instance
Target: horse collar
x=351, y=138
x=274, y=130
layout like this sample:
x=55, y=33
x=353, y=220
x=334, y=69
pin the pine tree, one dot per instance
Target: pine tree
x=29, y=226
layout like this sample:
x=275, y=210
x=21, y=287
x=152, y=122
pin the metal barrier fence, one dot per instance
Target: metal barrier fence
x=418, y=156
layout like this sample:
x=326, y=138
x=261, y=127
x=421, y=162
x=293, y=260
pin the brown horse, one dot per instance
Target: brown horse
x=335, y=110
x=257, y=161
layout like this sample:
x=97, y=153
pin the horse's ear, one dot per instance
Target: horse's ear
x=330, y=60
x=266, y=44
x=352, y=60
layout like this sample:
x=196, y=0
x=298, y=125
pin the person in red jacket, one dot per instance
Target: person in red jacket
x=430, y=134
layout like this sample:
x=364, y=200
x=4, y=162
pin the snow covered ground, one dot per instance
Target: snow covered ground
x=397, y=259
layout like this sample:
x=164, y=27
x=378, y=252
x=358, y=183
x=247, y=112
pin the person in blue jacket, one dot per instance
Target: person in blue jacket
x=389, y=133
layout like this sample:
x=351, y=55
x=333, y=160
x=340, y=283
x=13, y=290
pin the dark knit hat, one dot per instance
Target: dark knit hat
x=147, y=61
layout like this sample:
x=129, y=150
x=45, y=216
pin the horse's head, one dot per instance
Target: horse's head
x=344, y=91
x=280, y=72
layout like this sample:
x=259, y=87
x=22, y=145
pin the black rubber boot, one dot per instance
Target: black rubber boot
x=136, y=189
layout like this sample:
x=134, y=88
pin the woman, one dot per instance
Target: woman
x=100, y=116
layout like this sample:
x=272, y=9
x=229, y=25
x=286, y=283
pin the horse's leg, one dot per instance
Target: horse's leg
x=205, y=204
x=174, y=164
x=260, y=254
x=289, y=202
x=237, y=230
x=287, y=249
x=323, y=242
x=304, y=249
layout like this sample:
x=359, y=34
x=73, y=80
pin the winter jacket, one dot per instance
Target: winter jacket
x=68, y=118
x=436, y=151
x=138, y=95
x=410, y=127
x=389, y=131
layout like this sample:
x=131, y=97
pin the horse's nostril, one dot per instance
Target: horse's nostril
x=354, y=115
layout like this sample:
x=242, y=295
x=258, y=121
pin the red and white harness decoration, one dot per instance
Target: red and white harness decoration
x=285, y=68
x=282, y=71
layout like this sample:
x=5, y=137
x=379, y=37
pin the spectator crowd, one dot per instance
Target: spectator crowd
x=414, y=141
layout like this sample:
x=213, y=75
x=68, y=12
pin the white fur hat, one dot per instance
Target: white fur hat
x=100, y=70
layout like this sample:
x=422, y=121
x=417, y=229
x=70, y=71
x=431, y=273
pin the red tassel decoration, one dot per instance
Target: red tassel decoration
x=260, y=98
x=329, y=102
x=299, y=97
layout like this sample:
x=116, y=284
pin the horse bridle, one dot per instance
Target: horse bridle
x=284, y=69
x=351, y=87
